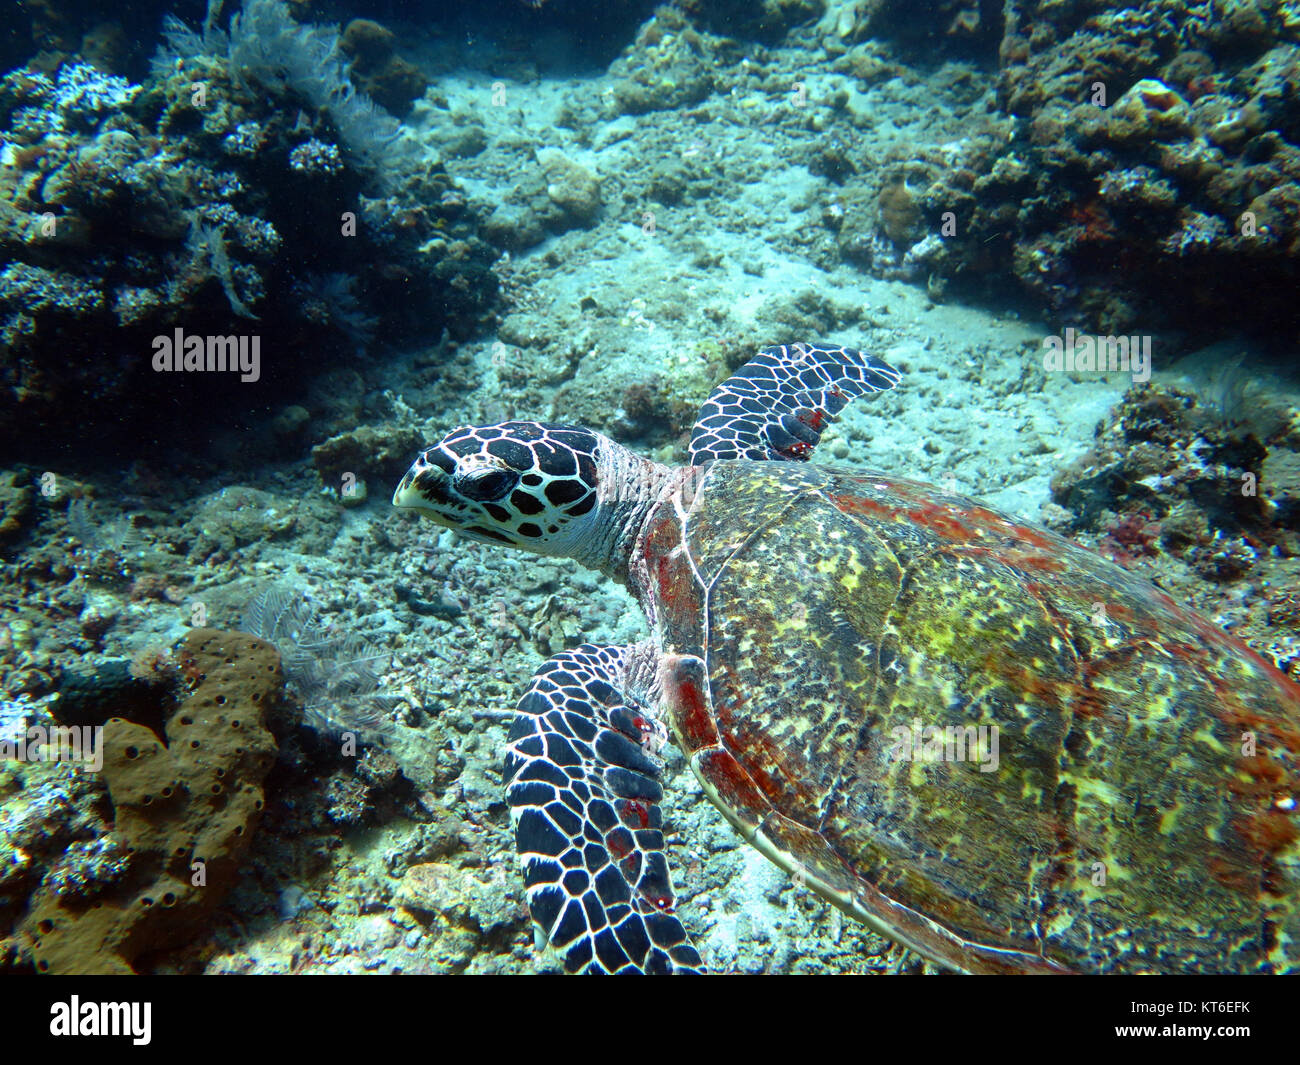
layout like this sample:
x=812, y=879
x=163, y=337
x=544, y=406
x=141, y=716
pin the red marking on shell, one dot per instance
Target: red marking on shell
x=1169, y=603
x=860, y=505
x=1269, y=832
x=1266, y=777
x=635, y=814
x=1208, y=659
x=1267, y=667
x=661, y=569
x=953, y=522
x=1024, y=533
x=618, y=844
x=815, y=419
x=1270, y=732
x=1248, y=710
x=1119, y=612
x=1039, y=563
x=942, y=520
x=798, y=451
x=755, y=752
x=1216, y=637
x=670, y=591
x=1079, y=699
x=1038, y=591
x=1237, y=877
x=970, y=520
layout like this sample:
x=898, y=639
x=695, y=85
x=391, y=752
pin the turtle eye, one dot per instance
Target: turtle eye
x=486, y=485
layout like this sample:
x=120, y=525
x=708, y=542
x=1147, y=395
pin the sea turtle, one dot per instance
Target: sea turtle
x=962, y=729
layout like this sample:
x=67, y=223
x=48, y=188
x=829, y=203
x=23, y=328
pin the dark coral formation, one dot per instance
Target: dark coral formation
x=393, y=82
x=765, y=20
x=922, y=24
x=1201, y=491
x=383, y=453
x=116, y=688
x=244, y=188
x=184, y=805
x=1146, y=170
x=112, y=39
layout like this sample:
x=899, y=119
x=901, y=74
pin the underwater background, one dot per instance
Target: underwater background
x=409, y=216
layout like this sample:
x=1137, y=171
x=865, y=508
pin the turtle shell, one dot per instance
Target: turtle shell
x=1112, y=784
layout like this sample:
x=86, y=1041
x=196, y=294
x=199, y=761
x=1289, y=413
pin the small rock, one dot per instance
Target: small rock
x=571, y=187
x=353, y=493
x=432, y=887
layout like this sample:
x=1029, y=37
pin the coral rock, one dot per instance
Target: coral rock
x=385, y=453
x=184, y=808
x=900, y=214
x=571, y=187
x=379, y=72
x=1148, y=110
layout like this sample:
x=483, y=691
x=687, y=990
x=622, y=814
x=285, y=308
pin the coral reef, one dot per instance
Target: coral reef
x=465, y=909
x=1200, y=487
x=115, y=688
x=16, y=505
x=185, y=804
x=268, y=47
x=1146, y=150
x=235, y=516
x=669, y=67
x=573, y=188
x=344, y=460
x=246, y=178
x=391, y=81
x=556, y=195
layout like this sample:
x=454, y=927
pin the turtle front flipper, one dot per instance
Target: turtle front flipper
x=776, y=405
x=584, y=799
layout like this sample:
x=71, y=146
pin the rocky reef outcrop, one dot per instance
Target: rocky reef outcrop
x=1143, y=169
x=245, y=190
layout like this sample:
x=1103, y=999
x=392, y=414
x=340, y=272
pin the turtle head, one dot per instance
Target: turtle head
x=526, y=484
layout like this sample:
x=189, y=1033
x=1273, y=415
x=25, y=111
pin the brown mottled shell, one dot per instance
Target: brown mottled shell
x=1141, y=813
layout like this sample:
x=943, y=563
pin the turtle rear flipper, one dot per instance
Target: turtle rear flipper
x=584, y=800
x=776, y=405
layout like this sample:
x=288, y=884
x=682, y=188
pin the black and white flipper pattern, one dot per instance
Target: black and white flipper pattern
x=584, y=795
x=778, y=403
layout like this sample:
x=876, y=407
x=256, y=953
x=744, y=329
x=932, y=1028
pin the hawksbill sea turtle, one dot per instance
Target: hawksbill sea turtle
x=836, y=652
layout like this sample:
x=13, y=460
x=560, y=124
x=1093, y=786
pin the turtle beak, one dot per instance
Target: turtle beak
x=423, y=488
